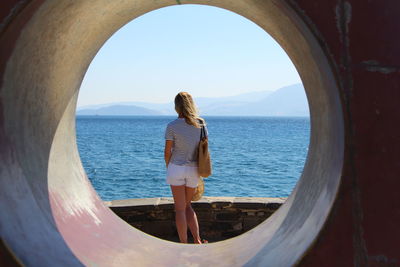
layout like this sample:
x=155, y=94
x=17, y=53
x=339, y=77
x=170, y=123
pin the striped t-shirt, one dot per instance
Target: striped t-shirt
x=186, y=141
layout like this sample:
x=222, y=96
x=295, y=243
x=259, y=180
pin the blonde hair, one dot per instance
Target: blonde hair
x=184, y=106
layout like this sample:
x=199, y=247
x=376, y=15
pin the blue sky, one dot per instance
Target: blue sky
x=207, y=51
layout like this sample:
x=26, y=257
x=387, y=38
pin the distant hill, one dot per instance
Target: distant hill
x=286, y=101
x=118, y=110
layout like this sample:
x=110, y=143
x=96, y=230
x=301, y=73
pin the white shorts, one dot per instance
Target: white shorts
x=182, y=175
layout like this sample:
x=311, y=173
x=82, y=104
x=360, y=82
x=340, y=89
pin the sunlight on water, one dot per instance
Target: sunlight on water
x=252, y=156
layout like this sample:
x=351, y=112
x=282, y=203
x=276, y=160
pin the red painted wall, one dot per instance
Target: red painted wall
x=363, y=40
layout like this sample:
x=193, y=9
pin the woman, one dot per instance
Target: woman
x=181, y=146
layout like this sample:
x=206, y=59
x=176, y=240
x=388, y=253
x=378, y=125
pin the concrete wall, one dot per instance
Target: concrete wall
x=345, y=209
x=219, y=218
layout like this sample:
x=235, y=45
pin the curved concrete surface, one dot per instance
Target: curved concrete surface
x=50, y=213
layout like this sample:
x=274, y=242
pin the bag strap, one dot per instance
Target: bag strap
x=202, y=133
x=203, y=130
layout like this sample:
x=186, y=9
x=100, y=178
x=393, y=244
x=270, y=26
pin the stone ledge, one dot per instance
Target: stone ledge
x=168, y=200
x=219, y=217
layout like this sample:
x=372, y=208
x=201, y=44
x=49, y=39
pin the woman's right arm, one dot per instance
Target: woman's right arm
x=168, y=151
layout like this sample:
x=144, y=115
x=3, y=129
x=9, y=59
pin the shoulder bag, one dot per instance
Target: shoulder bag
x=204, y=159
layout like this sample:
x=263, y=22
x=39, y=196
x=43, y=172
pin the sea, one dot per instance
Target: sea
x=123, y=156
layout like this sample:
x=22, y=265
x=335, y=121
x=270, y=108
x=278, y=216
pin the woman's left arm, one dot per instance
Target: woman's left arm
x=168, y=151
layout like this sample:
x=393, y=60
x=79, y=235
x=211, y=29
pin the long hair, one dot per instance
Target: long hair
x=184, y=106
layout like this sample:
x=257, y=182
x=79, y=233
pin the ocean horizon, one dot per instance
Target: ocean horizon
x=253, y=156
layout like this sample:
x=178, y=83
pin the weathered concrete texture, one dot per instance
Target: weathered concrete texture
x=345, y=209
x=219, y=218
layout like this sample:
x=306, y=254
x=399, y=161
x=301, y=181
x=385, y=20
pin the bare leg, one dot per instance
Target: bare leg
x=180, y=215
x=191, y=217
x=193, y=224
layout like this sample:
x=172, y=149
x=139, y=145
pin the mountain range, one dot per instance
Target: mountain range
x=286, y=101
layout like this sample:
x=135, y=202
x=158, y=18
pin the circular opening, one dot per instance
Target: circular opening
x=45, y=70
x=243, y=82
